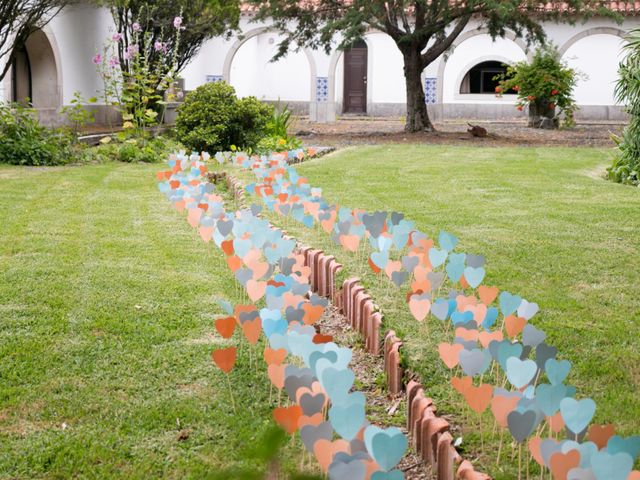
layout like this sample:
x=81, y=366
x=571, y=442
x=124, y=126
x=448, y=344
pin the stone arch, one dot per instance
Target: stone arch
x=228, y=60
x=509, y=35
x=618, y=32
x=45, y=72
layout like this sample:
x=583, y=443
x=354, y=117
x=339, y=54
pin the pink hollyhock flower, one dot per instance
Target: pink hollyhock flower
x=114, y=62
x=136, y=27
x=177, y=22
x=116, y=37
x=131, y=52
x=97, y=59
x=158, y=46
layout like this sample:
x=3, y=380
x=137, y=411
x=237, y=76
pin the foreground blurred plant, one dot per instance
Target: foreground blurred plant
x=626, y=165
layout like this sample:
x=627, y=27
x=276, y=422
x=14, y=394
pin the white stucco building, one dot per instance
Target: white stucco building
x=366, y=80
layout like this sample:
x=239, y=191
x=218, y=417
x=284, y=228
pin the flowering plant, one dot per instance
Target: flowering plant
x=133, y=81
x=545, y=85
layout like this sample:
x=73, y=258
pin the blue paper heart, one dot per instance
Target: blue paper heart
x=461, y=317
x=474, y=276
x=380, y=259
x=454, y=271
x=386, y=447
x=548, y=398
x=392, y=475
x=347, y=419
x=509, y=303
x=630, y=445
x=556, y=370
x=490, y=318
x=577, y=413
x=336, y=383
x=437, y=257
x=611, y=467
x=447, y=241
x=520, y=372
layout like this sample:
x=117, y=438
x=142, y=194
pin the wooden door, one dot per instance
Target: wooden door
x=355, y=79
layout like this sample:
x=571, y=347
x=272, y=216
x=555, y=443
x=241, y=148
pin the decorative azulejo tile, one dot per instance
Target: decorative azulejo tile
x=431, y=90
x=322, y=89
x=214, y=78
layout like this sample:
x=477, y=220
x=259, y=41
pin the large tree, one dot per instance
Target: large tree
x=18, y=20
x=202, y=20
x=422, y=29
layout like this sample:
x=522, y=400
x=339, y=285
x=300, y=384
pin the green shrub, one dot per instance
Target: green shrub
x=626, y=164
x=213, y=119
x=146, y=151
x=277, y=137
x=24, y=141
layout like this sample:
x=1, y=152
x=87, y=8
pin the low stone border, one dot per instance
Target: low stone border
x=429, y=434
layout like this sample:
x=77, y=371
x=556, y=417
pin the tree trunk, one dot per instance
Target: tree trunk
x=417, y=115
x=542, y=114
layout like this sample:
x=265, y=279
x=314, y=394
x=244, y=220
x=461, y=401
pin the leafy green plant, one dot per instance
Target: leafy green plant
x=545, y=85
x=213, y=119
x=626, y=164
x=277, y=137
x=77, y=114
x=24, y=141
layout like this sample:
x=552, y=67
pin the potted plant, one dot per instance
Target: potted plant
x=544, y=85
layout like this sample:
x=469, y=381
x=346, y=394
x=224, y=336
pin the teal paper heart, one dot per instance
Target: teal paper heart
x=347, y=419
x=520, y=372
x=630, y=445
x=509, y=303
x=386, y=447
x=437, y=257
x=556, y=370
x=611, y=467
x=474, y=276
x=548, y=398
x=336, y=383
x=392, y=475
x=577, y=413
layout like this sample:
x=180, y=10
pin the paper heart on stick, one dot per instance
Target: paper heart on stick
x=501, y=407
x=479, y=398
x=226, y=326
x=514, y=325
x=224, y=358
x=386, y=447
x=450, y=354
x=287, y=417
x=560, y=463
x=577, y=413
x=419, y=305
x=252, y=330
x=325, y=450
x=461, y=384
x=274, y=356
x=487, y=294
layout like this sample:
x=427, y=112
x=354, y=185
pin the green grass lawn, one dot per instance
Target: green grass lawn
x=552, y=230
x=106, y=306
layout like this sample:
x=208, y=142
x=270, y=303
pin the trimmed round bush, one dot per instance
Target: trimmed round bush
x=213, y=119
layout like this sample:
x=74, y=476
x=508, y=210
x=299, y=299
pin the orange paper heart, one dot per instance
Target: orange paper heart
x=325, y=450
x=514, y=325
x=276, y=375
x=461, y=384
x=450, y=353
x=274, y=356
x=252, y=330
x=226, y=326
x=534, y=448
x=287, y=417
x=225, y=358
x=501, y=407
x=561, y=463
x=600, y=434
x=479, y=398
x=487, y=294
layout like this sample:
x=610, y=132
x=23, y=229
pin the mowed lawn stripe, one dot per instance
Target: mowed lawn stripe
x=106, y=331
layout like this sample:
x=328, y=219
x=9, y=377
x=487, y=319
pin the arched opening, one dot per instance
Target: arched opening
x=355, y=78
x=482, y=78
x=252, y=73
x=35, y=74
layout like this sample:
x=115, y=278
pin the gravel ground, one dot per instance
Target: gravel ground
x=383, y=409
x=367, y=130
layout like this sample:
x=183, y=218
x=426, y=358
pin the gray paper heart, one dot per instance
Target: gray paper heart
x=255, y=209
x=284, y=209
x=398, y=278
x=467, y=344
x=440, y=310
x=344, y=227
x=293, y=383
x=318, y=300
x=312, y=404
x=521, y=424
x=475, y=261
x=243, y=275
x=436, y=279
x=354, y=469
x=286, y=264
x=532, y=336
x=300, y=288
x=543, y=353
x=409, y=262
x=474, y=362
x=248, y=316
x=294, y=314
x=453, y=294
x=311, y=434
x=396, y=218
x=274, y=302
x=225, y=227
x=374, y=223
